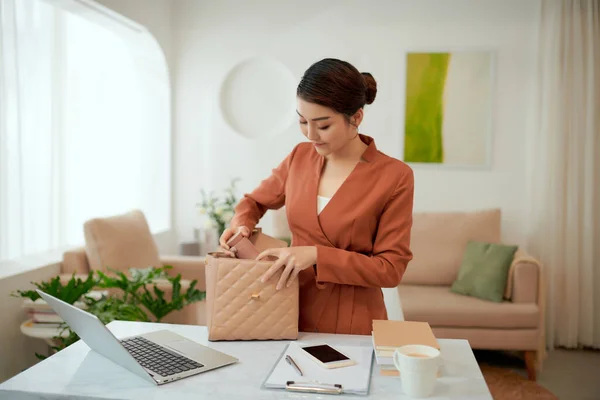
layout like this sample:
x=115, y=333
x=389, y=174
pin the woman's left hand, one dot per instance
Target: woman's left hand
x=292, y=260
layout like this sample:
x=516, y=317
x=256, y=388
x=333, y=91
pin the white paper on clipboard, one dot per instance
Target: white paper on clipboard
x=354, y=379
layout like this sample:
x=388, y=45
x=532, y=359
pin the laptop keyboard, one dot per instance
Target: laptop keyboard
x=158, y=359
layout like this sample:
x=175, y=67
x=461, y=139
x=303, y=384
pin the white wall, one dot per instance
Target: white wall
x=209, y=38
x=17, y=351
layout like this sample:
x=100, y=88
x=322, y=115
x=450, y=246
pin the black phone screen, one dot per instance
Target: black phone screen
x=325, y=353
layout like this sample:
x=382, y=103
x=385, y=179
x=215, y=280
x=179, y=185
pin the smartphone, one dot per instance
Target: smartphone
x=327, y=356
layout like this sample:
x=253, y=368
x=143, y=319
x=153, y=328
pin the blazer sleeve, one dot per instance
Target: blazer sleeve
x=391, y=249
x=269, y=195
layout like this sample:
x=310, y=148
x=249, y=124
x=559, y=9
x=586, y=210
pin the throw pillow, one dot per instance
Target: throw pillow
x=484, y=270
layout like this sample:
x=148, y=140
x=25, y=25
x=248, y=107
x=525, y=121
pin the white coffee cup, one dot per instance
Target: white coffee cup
x=418, y=366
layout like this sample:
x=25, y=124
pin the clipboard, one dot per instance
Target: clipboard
x=354, y=379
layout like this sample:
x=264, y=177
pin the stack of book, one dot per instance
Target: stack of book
x=389, y=335
x=41, y=315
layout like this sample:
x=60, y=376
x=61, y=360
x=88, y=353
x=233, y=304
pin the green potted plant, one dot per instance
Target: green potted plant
x=135, y=297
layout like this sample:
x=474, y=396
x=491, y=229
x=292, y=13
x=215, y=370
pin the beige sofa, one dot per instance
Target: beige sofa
x=125, y=241
x=438, y=241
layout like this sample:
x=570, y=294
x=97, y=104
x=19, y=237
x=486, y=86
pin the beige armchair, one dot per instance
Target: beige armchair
x=125, y=241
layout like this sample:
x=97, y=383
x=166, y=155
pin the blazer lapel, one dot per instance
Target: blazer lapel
x=343, y=194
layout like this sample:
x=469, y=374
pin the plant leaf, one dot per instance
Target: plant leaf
x=69, y=293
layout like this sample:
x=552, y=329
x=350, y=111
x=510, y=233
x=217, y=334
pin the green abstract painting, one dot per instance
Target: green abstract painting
x=448, y=108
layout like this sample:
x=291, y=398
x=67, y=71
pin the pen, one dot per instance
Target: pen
x=291, y=361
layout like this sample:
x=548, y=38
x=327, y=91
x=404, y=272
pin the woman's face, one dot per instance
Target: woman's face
x=327, y=130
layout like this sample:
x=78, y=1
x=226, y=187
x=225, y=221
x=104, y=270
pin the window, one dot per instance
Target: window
x=85, y=126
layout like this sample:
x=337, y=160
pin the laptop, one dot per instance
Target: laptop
x=159, y=357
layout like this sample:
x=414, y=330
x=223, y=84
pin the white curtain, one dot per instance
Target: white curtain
x=565, y=200
x=28, y=202
x=84, y=124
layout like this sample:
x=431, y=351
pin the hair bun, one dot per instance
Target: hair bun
x=371, y=87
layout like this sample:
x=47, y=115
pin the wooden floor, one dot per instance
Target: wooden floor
x=569, y=374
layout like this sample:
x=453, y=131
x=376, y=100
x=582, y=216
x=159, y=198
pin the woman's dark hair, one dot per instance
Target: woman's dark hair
x=338, y=85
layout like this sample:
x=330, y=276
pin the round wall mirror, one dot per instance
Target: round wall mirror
x=258, y=98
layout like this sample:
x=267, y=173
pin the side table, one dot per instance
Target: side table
x=47, y=334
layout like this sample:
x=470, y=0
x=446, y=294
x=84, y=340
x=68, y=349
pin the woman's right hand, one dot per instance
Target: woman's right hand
x=227, y=234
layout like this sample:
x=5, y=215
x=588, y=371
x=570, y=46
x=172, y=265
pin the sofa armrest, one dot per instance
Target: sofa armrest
x=524, y=276
x=190, y=268
x=525, y=283
x=75, y=261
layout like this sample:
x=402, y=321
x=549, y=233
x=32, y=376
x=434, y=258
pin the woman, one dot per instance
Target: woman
x=349, y=207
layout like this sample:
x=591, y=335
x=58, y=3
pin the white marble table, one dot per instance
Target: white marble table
x=79, y=373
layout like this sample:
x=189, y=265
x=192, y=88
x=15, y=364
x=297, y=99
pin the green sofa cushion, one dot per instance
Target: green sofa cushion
x=484, y=270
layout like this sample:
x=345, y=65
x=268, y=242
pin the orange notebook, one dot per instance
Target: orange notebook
x=388, y=335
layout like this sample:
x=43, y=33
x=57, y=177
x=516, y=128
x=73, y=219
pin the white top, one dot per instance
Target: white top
x=321, y=203
x=78, y=373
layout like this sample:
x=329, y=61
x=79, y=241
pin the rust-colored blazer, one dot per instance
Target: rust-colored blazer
x=362, y=235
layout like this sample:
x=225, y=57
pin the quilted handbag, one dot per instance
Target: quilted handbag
x=240, y=307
